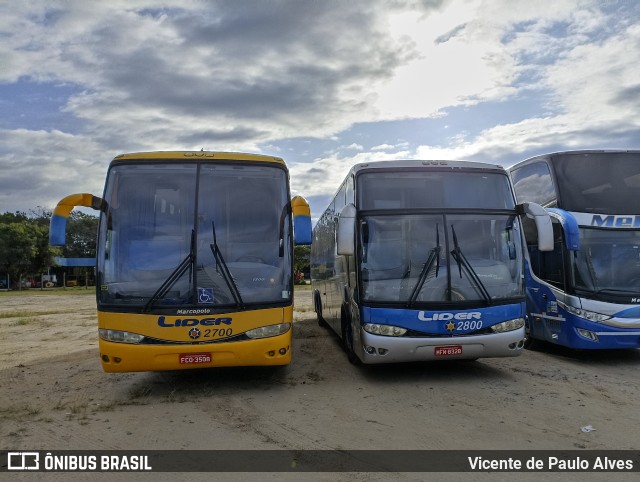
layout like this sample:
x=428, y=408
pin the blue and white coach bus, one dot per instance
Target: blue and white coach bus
x=585, y=293
x=423, y=260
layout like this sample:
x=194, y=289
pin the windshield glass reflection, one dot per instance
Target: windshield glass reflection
x=157, y=243
x=608, y=261
x=414, y=259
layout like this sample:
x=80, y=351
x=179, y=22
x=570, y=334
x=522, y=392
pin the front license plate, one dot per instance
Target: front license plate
x=448, y=350
x=194, y=358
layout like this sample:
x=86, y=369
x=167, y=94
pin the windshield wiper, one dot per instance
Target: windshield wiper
x=591, y=270
x=462, y=262
x=186, y=263
x=434, y=257
x=283, y=218
x=224, y=270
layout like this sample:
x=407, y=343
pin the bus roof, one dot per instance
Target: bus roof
x=196, y=156
x=550, y=155
x=423, y=164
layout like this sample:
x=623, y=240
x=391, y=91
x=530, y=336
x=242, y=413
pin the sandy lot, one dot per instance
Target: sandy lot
x=55, y=397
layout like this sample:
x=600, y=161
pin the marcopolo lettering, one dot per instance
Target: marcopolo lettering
x=200, y=311
x=466, y=315
x=162, y=321
x=615, y=221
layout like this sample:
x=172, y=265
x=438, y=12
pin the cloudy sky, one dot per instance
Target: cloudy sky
x=323, y=84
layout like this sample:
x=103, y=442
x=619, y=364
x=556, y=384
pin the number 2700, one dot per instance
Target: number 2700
x=217, y=332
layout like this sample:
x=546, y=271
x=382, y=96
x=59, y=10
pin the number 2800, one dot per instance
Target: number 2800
x=469, y=325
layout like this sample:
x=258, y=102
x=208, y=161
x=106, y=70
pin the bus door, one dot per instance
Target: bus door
x=545, y=319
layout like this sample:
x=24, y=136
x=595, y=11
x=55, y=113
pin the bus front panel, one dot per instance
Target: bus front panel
x=195, y=257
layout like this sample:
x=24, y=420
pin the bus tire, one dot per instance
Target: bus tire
x=347, y=338
x=317, y=306
x=529, y=343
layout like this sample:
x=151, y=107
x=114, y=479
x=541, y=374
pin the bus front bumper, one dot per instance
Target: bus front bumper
x=594, y=336
x=387, y=349
x=580, y=334
x=124, y=357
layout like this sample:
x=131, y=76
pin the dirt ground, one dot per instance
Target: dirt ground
x=54, y=396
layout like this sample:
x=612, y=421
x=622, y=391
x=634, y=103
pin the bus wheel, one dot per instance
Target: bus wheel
x=347, y=339
x=317, y=305
x=529, y=342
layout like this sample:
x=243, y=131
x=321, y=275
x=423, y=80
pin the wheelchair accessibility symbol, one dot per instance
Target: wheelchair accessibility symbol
x=205, y=295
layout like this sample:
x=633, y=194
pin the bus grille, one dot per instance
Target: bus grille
x=554, y=326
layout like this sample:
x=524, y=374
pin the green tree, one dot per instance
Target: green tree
x=38, y=220
x=24, y=244
x=17, y=217
x=45, y=254
x=82, y=230
x=301, y=260
x=18, y=248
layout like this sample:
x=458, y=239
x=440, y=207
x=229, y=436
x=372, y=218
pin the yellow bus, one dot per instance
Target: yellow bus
x=194, y=261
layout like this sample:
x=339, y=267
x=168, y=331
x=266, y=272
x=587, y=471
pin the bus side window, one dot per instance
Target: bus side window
x=350, y=198
x=339, y=201
x=533, y=183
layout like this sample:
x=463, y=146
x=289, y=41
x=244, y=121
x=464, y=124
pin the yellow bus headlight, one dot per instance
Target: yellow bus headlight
x=120, y=336
x=268, y=331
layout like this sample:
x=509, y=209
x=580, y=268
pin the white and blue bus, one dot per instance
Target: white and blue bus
x=423, y=260
x=584, y=294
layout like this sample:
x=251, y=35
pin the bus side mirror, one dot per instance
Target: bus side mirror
x=346, y=233
x=301, y=221
x=58, y=223
x=543, y=224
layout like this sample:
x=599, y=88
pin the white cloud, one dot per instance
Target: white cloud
x=325, y=175
x=382, y=147
x=54, y=165
x=243, y=75
x=286, y=75
x=596, y=95
x=598, y=82
x=355, y=147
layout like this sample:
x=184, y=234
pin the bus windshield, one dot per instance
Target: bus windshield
x=428, y=258
x=409, y=189
x=598, y=182
x=202, y=235
x=608, y=262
